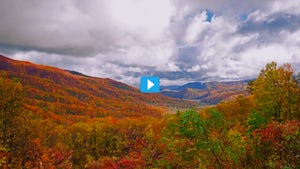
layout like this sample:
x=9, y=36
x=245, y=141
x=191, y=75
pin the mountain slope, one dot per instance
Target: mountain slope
x=60, y=92
x=208, y=93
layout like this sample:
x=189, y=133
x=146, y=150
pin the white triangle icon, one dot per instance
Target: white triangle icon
x=149, y=84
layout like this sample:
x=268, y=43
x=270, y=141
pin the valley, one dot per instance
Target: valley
x=55, y=118
x=209, y=93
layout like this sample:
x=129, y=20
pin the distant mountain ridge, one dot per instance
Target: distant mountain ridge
x=209, y=92
x=64, y=93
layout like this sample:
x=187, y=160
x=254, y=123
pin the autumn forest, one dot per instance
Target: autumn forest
x=52, y=118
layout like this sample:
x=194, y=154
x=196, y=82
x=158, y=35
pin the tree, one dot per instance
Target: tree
x=275, y=91
x=11, y=99
x=11, y=106
x=250, y=86
x=237, y=109
x=190, y=140
x=16, y=131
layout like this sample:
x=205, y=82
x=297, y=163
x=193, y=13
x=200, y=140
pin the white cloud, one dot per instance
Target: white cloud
x=195, y=27
x=147, y=19
x=195, y=68
x=258, y=16
x=288, y=6
x=125, y=39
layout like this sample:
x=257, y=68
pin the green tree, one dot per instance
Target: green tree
x=11, y=106
x=250, y=85
x=15, y=123
x=275, y=91
x=189, y=140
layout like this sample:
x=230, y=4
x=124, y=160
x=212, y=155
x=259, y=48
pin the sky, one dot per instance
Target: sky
x=178, y=40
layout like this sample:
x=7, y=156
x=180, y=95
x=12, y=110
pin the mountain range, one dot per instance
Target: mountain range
x=207, y=93
x=73, y=96
x=68, y=95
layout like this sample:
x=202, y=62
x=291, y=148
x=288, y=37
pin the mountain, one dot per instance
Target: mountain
x=171, y=87
x=208, y=93
x=59, y=93
x=193, y=85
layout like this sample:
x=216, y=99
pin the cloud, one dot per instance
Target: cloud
x=45, y=26
x=233, y=49
x=270, y=25
x=179, y=41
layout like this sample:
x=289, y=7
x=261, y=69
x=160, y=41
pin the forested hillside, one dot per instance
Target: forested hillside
x=209, y=93
x=258, y=131
x=68, y=96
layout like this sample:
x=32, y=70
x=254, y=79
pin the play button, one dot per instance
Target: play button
x=149, y=84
